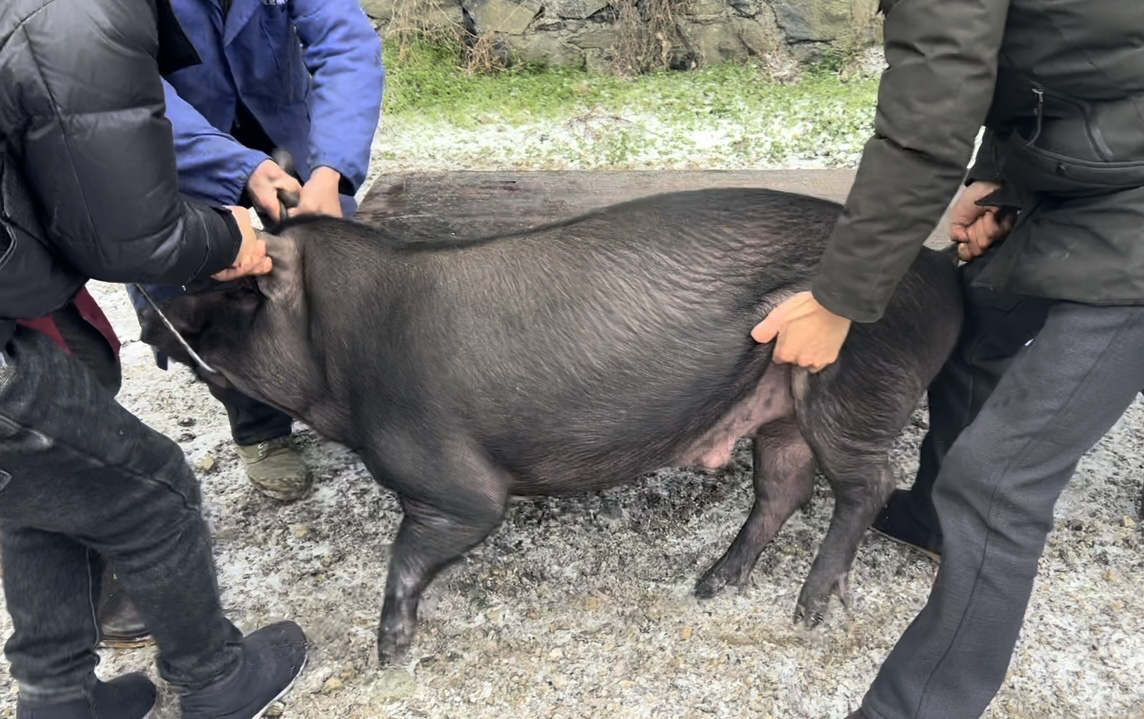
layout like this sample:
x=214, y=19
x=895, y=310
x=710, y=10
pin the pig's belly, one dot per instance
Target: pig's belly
x=595, y=467
x=770, y=400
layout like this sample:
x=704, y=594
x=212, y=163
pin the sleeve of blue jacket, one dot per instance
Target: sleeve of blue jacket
x=343, y=53
x=212, y=165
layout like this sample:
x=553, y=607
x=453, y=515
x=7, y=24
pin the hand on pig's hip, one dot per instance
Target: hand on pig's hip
x=808, y=334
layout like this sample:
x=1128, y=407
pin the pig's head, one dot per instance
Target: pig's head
x=237, y=328
x=203, y=318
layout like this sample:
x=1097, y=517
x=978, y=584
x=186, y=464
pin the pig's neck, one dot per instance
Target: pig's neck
x=279, y=369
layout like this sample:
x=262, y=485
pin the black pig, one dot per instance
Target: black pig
x=574, y=356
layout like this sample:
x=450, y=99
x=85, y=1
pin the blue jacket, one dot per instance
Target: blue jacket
x=310, y=71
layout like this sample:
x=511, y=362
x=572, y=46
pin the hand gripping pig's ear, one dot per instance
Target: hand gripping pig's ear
x=283, y=285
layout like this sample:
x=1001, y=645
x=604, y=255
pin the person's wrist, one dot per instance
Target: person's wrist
x=254, y=166
x=325, y=177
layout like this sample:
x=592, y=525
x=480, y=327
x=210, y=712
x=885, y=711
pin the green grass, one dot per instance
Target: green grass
x=429, y=81
x=759, y=120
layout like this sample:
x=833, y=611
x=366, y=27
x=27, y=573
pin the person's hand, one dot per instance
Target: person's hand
x=320, y=194
x=252, y=258
x=973, y=227
x=809, y=335
x=265, y=182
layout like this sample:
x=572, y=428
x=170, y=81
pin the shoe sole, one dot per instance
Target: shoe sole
x=127, y=643
x=284, y=692
x=933, y=557
x=286, y=498
x=280, y=495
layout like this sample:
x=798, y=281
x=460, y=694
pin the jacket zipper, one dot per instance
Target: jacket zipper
x=1039, y=113
x=1094, y=135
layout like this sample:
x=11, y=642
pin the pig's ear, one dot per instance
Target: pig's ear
x=284, y=283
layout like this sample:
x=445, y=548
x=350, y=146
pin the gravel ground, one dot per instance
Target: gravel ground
x=582, y=607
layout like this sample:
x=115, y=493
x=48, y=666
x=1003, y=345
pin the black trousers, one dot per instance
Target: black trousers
x=252, y=421
x=1033, y=386
x=997, y=325
x=82, y=478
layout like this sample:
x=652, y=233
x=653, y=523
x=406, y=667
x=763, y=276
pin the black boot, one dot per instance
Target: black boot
x=898, y=522
x=272, y=659
x=120, y=626
x=131, y=696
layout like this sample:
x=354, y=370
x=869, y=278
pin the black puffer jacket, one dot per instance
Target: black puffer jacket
x=88, y=188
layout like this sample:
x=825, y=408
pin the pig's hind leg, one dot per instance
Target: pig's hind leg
x=452, y=500
x=850, y=422
x=784, y=481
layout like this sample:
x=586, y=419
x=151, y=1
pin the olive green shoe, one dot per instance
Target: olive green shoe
x=275, y=468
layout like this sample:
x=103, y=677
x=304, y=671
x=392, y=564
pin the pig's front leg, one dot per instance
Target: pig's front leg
x=784, y=481
x=445, y=516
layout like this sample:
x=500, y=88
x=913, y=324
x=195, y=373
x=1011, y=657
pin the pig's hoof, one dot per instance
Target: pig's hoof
x=714, y=581
x=391, y=651
x=709, y=586
x=810, y=612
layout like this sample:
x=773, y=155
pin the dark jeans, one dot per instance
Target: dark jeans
x=251, y=421
x=997, y=325
x=81, y=476
x=89, y=347
x=994, y=495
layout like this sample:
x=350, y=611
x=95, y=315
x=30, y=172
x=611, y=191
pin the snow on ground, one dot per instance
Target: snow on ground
x=582, y=607
x=628, y=140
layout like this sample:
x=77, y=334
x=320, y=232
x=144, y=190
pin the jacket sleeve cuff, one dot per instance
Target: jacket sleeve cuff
x=841, y=305
x=247, y=162
x=842, y=282
x=985, y=167
x=221, y=252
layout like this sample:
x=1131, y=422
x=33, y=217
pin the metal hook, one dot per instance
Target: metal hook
x=194, y=355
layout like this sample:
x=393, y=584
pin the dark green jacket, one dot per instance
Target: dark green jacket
x=1059, y=85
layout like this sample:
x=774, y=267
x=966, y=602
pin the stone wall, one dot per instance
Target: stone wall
x=677, y=33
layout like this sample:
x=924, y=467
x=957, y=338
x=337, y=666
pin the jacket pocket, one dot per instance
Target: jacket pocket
x=1037, y=169
x=278, y=57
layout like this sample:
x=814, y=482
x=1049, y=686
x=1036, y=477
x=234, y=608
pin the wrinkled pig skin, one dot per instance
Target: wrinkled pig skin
x=574, y=356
